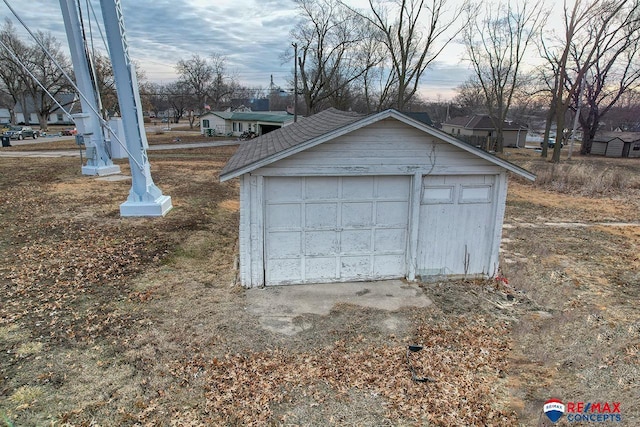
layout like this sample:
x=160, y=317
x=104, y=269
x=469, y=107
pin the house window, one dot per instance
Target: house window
x=240, y=127
x=235, y=126
x=636, y=146
x=205, y=123
x=60, y=117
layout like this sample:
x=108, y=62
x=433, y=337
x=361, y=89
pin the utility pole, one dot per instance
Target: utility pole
x=576, y=117
x=88, y=123
x=295, y=81
x=145, y=199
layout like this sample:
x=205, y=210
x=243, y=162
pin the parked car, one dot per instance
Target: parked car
x=552, y=143
x=68, y=132
x=22, y=132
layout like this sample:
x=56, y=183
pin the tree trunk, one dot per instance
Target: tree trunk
x=547, y=131
x=559, y=136
x=44, y=125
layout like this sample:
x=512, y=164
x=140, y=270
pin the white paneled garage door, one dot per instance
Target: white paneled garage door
x=457, y=218
x=320, y=229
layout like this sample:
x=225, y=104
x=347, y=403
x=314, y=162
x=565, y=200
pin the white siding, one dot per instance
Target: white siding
x=387, y=147
x=218, y=124
x=452, y=229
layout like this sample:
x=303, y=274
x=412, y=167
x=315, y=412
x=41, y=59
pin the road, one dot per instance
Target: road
x=76, y=153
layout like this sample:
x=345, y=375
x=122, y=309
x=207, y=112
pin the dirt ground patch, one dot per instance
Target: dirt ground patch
x=112, y=321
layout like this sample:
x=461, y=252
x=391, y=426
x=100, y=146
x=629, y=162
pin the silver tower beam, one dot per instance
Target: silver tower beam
x=88, y=123
x=145, y=199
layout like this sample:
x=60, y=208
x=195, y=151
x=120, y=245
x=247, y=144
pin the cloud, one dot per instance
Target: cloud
x=252, y=34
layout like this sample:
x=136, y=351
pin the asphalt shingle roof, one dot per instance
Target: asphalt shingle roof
x=479, y=121
x=606, y=136
x=329, y=124
x=305, y=129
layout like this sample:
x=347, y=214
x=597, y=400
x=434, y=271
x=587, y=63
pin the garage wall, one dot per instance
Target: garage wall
x=385, y=148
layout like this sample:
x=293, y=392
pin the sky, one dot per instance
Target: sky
x=251, y=34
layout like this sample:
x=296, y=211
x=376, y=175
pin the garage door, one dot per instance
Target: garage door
x=457, y=217
x=323, y=229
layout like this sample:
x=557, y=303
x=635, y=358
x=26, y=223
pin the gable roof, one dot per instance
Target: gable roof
x=480, y=122
x=67, y=100
x=262, y=116
x=327, y=125
x=607, y=136
x=421, y=116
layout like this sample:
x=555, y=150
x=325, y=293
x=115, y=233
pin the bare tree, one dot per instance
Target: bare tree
x=625, y=114
x=330, y=39
x=496, y=43
x=12, y=74
x=414, y=33
x=49, y=69
x=586, y=27
x=471, y=97
x=205, y=80
x=615, y=69
x=180, y=99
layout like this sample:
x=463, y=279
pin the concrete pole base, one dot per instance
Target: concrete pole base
x=159, y=207
x=100, y=170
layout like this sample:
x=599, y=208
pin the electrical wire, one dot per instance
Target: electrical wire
x=19, y=62
x=103, y=122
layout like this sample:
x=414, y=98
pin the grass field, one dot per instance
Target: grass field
x=111, y=321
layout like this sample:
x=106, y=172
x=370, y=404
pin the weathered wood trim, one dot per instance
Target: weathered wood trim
x=499, y=204
x=377, y=170
x=245, y=231
x=257, y=231
x=414, y=226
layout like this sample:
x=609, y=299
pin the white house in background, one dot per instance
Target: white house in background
x=69, y=101
x=236, y=123
x=340, y=197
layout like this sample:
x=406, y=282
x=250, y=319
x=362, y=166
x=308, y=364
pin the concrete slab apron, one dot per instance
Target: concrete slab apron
x=277, y=306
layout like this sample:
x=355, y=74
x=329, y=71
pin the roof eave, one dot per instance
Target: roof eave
x=365, y=121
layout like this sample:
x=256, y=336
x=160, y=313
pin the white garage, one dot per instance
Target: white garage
x=341, y=197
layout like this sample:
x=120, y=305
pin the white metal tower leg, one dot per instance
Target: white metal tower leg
x=145, y=199
x=88, y=123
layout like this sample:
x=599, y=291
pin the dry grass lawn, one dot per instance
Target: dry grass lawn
x=112, y=321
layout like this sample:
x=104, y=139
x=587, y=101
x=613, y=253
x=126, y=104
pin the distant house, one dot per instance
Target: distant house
x=236, y=123
x=419, y=116
x=255, y=104
x=478, y=129
x=616, y=144
x=69, y=102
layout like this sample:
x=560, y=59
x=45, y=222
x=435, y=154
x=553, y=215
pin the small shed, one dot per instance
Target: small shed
x=616, y=144
x=340, y=197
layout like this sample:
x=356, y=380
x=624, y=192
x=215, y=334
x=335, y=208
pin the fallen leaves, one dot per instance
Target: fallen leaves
x=465, y=358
